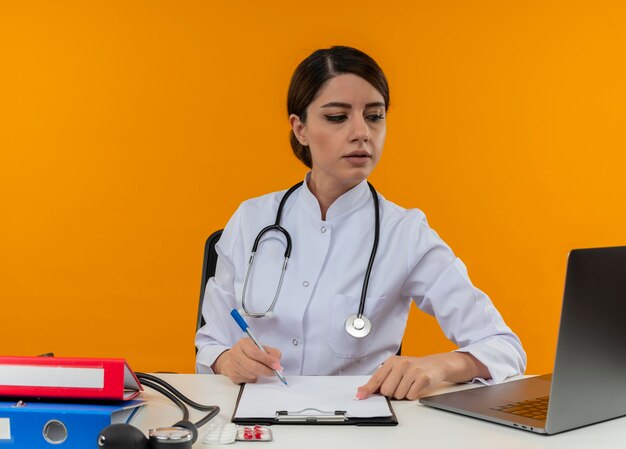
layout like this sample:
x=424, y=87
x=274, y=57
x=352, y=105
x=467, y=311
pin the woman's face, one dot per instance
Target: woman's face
x=345, y=131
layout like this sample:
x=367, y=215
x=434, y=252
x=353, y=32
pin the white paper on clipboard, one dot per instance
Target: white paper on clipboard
x=311, y=395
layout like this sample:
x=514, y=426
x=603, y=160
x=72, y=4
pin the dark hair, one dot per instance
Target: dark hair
x=317, y=69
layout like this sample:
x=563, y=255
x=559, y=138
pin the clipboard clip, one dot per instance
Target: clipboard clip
x=305, y=416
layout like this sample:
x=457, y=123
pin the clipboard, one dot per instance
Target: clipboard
x=332, y=402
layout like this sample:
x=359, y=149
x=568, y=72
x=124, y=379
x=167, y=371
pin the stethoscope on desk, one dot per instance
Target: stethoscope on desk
x=181, y=435
x=356, y=325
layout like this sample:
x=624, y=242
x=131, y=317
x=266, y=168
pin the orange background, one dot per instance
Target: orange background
x=129, y=131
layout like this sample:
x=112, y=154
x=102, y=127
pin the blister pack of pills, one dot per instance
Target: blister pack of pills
x=254, y=433
x=221, y=434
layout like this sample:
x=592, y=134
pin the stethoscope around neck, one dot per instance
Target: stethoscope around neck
x=357, y=325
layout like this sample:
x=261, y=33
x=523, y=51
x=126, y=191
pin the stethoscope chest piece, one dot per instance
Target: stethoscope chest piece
x=170, y=437
x=358, y=327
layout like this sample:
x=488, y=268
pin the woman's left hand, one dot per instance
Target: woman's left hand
x=410, y=377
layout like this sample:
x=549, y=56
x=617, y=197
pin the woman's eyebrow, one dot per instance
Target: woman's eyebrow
x=338, y=104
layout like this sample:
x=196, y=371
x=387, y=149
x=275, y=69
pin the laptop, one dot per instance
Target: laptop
x=588, y=383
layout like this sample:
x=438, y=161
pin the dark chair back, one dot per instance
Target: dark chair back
x=208, y=270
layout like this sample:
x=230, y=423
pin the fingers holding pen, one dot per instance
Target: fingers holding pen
x=245, y=362
x=265, y=362
x=275, y=354
x=248, y=358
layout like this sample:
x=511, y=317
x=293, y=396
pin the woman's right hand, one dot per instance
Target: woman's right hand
x=245, y=362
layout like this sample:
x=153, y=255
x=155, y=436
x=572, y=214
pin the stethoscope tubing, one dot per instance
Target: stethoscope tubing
x=277, y=227
x=370, y=264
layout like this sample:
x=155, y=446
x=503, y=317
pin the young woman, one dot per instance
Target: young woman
x=356, y=260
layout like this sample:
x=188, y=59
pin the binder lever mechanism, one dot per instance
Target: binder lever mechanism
x=311, y=415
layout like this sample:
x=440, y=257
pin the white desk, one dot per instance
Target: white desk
x=419, y=426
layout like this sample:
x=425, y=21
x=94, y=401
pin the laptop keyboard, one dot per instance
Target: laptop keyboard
x=533, y=408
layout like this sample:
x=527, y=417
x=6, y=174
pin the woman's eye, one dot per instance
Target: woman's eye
x=375, y=117
x=336, y=118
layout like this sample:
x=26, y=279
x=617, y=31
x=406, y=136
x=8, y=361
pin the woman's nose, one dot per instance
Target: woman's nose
x=360, y=130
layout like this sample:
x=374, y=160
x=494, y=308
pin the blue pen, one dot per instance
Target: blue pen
x=244, y=327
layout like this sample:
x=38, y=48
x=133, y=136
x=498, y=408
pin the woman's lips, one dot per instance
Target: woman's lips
x=358, y=158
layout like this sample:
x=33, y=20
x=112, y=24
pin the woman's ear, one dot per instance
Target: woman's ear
x=298, y=128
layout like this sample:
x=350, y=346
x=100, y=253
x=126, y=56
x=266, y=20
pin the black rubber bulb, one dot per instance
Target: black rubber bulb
x=122, y=436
